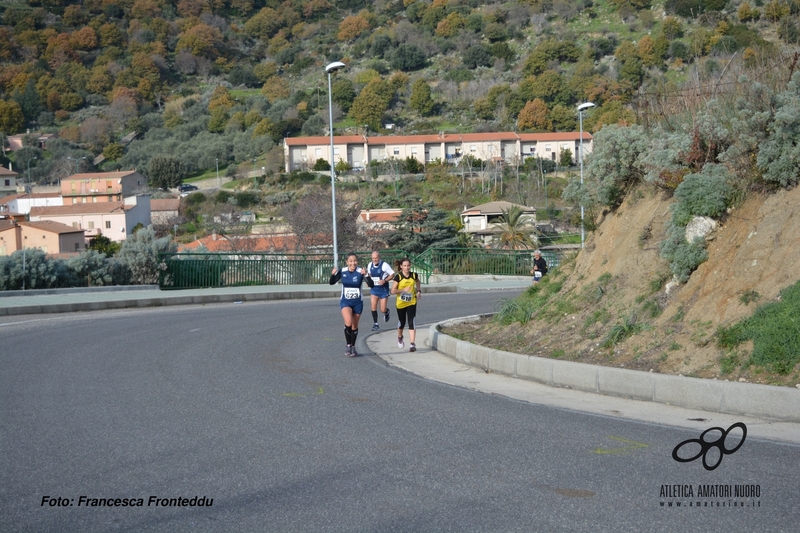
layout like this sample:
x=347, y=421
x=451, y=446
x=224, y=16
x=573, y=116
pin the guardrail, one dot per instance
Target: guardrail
x=470, y=261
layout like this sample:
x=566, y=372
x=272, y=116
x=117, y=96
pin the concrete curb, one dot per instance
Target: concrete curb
x=78, y=290
x=167, y=298
x=764, y=401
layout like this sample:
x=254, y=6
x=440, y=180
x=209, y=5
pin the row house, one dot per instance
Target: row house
x=359, y=151
x=115, y=220
x=51, y=237
x=95, y=187
x=22, y=203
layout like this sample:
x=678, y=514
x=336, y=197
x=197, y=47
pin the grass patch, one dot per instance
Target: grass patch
x=627, y=327
x=558, y=354
x=775, y=331
x=749, y=296
x=602, y=316
x=728, y=363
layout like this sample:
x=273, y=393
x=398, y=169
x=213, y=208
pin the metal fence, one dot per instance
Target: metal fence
x=472, y=261
x=189, y=270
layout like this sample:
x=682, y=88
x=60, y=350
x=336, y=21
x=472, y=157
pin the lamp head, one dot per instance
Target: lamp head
x=585, y=106
x=333, y=67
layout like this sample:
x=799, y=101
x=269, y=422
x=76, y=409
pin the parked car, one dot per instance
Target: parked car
x=185, y=187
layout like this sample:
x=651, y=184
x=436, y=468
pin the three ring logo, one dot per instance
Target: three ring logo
x=708, y=445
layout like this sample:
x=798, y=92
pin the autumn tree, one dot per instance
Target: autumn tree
x=351, y=27
x=534, y=116
x=12, y=119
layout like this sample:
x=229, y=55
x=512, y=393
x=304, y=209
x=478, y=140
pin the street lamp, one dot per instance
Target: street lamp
x=29, y=170
x=581, y=108
x=219, y=184
x=77, y=161
x=333, y=67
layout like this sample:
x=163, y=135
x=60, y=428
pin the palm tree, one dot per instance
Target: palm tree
x=517, y=232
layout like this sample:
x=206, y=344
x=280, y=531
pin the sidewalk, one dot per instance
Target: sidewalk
x=100, y=298
x=436, y=366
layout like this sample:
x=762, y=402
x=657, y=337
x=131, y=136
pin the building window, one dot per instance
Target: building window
x=73, y=186
x=74, y=224
x=108, y=224
x=397, y=151
x=91, y=224
x=109, y=185
x=335, y=151
x=547, y=148
x=8, y=183
x=318, y=151
x=413, y=151
x=110, y=198
x=77, y=246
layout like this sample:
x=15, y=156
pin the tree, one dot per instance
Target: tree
x=478, y=55
x=421, y=100
x=12, y=119
x=517, y=233
x=351, y=27
x=165, y=171
x=343, y=93
x=310, y=219
x=104, y=245
x=408, y=57
x=421, y=227
x=370, y=105
x=114, y=151
x=139, y=254
x=534, y=116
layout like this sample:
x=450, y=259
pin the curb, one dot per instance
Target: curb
x=765, y=401
x=162, y=301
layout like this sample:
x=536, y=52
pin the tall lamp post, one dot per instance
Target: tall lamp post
x=219, y=184
x=29, y=170
x=77, y=162
x=581, y=108
x=333, y=67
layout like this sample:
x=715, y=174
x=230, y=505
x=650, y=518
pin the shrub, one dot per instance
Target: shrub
x=706, y=194
x=32, y=269
x=683, y=257
x=91, y=268
x=139, y=253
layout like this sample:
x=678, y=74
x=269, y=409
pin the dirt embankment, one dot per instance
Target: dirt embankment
x=619, y=281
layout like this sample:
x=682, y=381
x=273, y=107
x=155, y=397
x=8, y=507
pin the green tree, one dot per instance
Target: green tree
x=343, y=93
x=114, y=151
x=408, y=57
x=421, y=227
x=104, y=245
x=370, y=105
x=166, y=171
x=421, y=100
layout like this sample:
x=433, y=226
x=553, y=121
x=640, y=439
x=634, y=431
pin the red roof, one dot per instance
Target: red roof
x=251, y=243
x=80, y=209
x=99, y=175
x=52, y=227
x=5, y=172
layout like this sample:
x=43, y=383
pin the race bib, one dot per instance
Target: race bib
x=376, y=279
x=406, y=296
x=351, y=293
x=537, y=274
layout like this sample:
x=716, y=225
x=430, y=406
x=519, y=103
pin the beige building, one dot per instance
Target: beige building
x=483, y=222
x=94, y=187
x=359, y=150
x=163, y=211
x=8, y=182
x=51, y=237
x=115, y=220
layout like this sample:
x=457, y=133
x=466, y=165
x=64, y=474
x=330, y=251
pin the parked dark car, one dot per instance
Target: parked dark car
x=186, y=187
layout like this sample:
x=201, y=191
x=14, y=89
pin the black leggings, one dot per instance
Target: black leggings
x=409, y=312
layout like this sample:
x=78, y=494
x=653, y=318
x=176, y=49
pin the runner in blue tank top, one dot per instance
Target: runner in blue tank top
x=381, y=273
x=350, y=302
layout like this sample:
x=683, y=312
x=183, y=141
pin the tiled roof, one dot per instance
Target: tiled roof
x=494, y=208
x=80, y=209
x=253, y=243
x=439, y=138
x=337, y=139
x=5, y=172
x=52, y=227
x=6, y=199
x=6, y=224
x=165, y=204
x=373, y=216
x=99, y=175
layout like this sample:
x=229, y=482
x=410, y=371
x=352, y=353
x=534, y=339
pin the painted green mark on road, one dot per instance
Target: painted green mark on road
x=631, y=445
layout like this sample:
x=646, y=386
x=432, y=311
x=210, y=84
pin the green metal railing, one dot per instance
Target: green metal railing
x=189, y=270
x=471, y=261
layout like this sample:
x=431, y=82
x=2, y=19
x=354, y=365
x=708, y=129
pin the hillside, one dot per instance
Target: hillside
x=751, y=259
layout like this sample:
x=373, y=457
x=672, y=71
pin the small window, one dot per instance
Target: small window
x=397, y=151
x=77, y=246
x=413, y=150
x=91, y=224
x=547, y=148
x=94, y=199
x=335, y=151
x=318, y=152
x=8, y=182
x=74, y=224
x=108, y=224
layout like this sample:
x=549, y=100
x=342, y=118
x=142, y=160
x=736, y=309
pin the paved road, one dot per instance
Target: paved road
x=255, y=406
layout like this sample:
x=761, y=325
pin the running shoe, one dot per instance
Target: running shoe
x=400, y=343
x=386, y=316
x=413, y=348
x=376, y=327
x=353, y=352
x=348, y=351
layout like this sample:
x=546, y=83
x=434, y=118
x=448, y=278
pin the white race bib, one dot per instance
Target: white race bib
x=537, y=274
x=376, y=279
x=351, y=293
x=406, y=296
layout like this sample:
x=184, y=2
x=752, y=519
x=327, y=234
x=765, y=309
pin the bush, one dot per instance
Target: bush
x=706, y=194
x=321, y=165
x=32, y=269
x=92, y=268
x=139, y=253
x=683, y=257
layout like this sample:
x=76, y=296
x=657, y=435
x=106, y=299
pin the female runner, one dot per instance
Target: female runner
x=406, y=285
x=350, y=303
